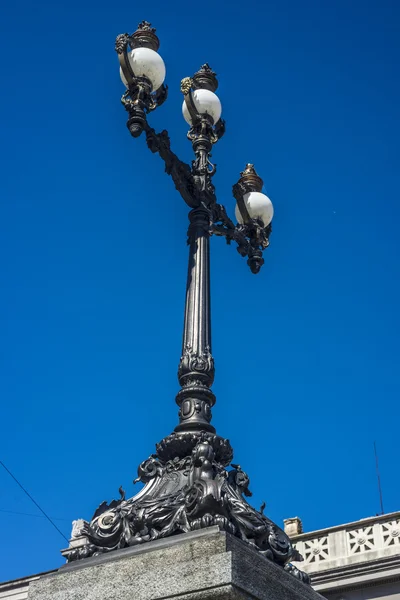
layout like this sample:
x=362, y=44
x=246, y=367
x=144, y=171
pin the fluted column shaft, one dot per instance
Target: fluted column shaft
x=196, y=368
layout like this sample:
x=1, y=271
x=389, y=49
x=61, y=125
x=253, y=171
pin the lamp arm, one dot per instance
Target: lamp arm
x=251, y=237
x=179, y=171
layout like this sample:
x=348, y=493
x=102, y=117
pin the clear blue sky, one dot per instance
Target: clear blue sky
x=93, y=246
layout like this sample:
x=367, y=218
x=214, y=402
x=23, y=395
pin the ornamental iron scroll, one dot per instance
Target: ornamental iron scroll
x=190, y=482
x=184, y=494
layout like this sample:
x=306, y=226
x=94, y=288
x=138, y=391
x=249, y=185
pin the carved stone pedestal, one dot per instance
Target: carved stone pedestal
x=203, y=565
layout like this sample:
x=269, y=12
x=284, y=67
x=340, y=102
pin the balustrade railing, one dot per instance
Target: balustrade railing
x=366, y=540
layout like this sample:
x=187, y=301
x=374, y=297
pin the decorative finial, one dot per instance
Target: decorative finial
x=207, y=69
x=146, y=26
x=249, y=169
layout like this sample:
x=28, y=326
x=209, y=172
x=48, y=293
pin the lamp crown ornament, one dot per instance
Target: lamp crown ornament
x=250, y=180
x=145, y=37
x=205, y=78
x=190, y=482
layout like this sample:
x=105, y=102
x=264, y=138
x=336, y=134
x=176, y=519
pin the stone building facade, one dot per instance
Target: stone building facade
x=355, y=561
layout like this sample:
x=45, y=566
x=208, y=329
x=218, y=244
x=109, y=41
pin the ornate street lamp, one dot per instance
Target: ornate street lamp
x=187, y=484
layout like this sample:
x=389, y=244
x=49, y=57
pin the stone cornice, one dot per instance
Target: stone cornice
x=353, y=577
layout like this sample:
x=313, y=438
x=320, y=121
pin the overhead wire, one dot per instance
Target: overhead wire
x=34, y=501
x=16, y=512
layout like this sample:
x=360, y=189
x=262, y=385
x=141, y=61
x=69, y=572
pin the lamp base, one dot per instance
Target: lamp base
x=201, y=565
x=188, y=488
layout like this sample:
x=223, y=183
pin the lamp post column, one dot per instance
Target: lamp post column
x=196, y=367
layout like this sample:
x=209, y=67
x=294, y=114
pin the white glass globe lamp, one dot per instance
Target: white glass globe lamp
x=145, y=62
x=206, y=102
x=258, y=205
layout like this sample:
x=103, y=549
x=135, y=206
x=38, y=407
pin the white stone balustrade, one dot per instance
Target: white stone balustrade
x=370, y=539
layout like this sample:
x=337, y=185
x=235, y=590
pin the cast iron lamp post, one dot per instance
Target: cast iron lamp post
x=187, y=484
